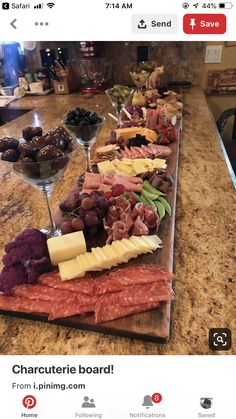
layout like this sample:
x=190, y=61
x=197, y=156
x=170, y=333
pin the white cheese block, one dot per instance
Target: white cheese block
x=130, y=248
x=66, y=247
x=70, y=269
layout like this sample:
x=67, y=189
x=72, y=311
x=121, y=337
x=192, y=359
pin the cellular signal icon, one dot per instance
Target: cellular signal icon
x=50, y=5
x=38, y=6
x=196, y=5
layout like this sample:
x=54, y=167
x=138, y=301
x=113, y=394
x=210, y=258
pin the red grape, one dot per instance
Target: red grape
x=102, y=202
x=78, y=224
x=88, y=203
x=91, y=219
x=81, y=212
x=93, y=231
x=66, y=227
x=101, y=212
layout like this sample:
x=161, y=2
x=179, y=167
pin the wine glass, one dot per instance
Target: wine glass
x=140, y=72
x=85, y=135
x=119, y=97
x=94, y=73
x=43, y=176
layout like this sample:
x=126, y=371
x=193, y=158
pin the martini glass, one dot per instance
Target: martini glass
x=43, y=176
x=85, y=135
x=119, y=100
x=140, y=72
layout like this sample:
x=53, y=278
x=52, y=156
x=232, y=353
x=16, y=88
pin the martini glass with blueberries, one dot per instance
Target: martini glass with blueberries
x=85, y=127
x=40, y=161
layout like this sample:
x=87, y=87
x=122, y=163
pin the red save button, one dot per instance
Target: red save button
x=204, y=24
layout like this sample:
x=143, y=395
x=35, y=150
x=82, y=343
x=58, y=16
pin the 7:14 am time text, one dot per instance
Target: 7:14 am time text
x=119, y=5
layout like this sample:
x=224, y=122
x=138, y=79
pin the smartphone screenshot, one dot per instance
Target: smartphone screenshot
x=117, y=209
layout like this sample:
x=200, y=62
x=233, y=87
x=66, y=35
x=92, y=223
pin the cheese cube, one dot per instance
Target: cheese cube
x=66, y=247
x=70, y=269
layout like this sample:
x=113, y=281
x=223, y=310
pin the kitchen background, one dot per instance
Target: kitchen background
x=184, y=61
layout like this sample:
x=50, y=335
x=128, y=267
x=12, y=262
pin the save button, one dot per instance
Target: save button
x=204, y=24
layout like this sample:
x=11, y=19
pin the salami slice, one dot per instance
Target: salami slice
x=108, y=308
x=118, y=279
x=84, y=285
x=14, y=303
x=146, y=293
x=69, y=307
x=41, y=292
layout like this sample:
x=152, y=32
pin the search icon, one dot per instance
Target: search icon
x=220, y=339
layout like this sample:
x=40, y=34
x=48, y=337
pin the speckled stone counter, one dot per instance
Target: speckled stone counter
x=205, y=250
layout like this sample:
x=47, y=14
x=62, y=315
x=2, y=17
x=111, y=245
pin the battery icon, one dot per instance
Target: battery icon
x=226, y=5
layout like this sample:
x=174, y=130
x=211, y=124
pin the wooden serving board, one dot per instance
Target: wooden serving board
x=153, y=325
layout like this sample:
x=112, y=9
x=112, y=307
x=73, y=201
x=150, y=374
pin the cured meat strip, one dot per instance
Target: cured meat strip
x=70, y=307
x=13, y=303
x=41, y=292
x=118, y=279
x=146, y=293
x=84, y=285
x=159, y=150
x=109, y=308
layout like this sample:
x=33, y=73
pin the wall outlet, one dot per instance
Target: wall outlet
x=213, y=54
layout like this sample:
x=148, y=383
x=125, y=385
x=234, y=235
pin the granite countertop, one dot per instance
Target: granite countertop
x=205, y=252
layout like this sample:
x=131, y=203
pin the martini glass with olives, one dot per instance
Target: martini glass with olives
x=41, y=164
x=119, y=96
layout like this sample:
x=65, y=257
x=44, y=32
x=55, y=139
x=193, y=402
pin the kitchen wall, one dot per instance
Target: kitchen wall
x=178, y=58
x=216, y=103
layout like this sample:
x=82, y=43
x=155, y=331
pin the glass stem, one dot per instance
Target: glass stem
x=47, y=196
x=119, y=122
x=87, y=152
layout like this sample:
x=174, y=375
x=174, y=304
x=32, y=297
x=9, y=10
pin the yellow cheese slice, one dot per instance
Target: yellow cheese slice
x=66, y=247
x=131, y=249
x=141, y=244
x=153, y=241
x=120, y=251
x=70, y=269
x=106, y=167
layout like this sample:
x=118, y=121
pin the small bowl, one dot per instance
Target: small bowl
x=7, y=90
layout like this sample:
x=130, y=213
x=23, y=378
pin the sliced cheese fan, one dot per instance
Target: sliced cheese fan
x=106, y=257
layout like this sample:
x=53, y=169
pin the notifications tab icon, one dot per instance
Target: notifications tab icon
x=204, y=24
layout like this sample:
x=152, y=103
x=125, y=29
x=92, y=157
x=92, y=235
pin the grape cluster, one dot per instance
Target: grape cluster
x=80, y=116
x=84, y=212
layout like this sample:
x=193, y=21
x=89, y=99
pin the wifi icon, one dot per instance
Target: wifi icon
x=50, y=5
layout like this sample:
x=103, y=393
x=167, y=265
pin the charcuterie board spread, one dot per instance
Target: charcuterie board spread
x=107, y=264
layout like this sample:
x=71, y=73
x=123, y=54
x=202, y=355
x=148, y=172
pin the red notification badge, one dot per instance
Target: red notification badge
x=156, y=397
x=204, y=24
